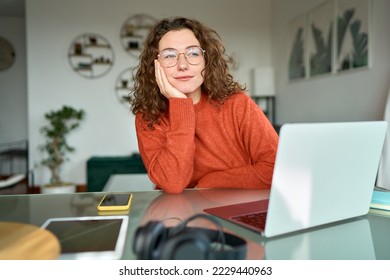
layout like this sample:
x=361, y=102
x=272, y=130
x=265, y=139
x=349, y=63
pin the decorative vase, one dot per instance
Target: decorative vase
x=65, y=188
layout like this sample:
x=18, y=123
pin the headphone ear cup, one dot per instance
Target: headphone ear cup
x=149, y=240
x=186, y=246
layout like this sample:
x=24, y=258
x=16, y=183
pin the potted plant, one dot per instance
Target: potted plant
x=56, y=148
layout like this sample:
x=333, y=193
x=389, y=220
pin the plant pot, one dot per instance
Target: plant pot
x=65, y=188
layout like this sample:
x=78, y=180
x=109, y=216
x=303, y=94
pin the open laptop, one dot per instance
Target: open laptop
x=324, y=172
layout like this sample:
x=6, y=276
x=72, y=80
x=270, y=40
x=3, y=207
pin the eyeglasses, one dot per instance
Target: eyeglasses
x=170, y=57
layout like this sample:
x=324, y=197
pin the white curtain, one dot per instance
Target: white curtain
x=383, y=179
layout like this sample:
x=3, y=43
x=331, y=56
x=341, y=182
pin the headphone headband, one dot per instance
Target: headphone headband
x=233, y=247
x=155, y=241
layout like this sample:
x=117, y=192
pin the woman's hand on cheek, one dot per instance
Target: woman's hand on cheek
x=165, y=86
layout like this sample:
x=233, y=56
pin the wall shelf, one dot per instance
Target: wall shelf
x=7, y=54
x=134, y=31
x=123, y=85
x=91, y=55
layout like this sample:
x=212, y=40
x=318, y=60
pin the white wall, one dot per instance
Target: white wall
x=109, y=126
x=352, y=96
x=13, y=84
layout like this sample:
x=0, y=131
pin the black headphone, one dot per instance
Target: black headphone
x=154, y=241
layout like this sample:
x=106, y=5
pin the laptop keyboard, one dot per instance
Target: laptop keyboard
x=256, y=220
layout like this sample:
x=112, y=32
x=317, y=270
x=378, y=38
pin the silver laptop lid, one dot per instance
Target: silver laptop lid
x=324, y=172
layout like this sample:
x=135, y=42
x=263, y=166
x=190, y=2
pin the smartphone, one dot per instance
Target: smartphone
x=115, y=202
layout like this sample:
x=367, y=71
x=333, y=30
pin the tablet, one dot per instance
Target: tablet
x=96, y=237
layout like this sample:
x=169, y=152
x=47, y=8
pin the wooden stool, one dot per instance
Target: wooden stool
x=27, y=242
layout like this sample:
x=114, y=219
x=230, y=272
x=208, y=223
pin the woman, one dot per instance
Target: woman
x=195, y=125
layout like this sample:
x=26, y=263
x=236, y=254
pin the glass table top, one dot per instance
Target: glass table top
x=366, y=237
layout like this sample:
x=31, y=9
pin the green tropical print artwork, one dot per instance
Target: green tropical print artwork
x=297, y=62
x=355, y=55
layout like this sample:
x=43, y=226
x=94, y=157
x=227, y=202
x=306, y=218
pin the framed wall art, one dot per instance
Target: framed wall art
x=320, y=39
x=297, y=60
x=331, y=38
x=352, y=34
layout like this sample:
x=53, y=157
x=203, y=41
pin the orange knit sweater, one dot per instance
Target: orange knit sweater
x=231, y=146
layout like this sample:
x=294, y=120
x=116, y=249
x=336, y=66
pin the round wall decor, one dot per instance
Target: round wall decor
x=123, y=85
x=7, y=54
x=134, y=32
x=91, y=55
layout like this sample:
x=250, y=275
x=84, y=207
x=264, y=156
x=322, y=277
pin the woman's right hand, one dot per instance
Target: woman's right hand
x=165, y=86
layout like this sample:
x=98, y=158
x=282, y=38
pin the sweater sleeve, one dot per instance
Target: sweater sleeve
x=260, y=141
x=168, y=150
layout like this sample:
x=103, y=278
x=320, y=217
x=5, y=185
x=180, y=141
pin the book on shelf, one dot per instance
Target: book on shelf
x=380, y=200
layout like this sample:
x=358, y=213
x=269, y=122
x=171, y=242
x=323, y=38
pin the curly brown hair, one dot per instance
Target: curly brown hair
x=218, y=83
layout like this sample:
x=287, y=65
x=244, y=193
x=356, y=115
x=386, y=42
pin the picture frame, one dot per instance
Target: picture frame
x=331, y=38
x=297, y=58
x=320, y=39
x=353, y=39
